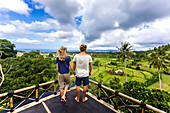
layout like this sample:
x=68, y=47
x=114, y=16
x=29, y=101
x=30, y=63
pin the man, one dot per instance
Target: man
x=83, y=65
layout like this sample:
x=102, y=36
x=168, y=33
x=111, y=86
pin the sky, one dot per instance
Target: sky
x=101, y=24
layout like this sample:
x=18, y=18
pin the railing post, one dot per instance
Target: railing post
x=116, y=94
x=10, y=95
x=99, y=92
x=55, y=83
x=11, y=102
x=143, y=106
x=36, y=91
x=143, y=110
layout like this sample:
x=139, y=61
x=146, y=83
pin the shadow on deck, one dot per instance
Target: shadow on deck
x=52, y=104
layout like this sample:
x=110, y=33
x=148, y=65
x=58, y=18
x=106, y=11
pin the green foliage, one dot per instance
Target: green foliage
x=7, y=49
x=124, y=50
x=26, y=72
x=5, y=105
x=32, y=54
x=137, y=68
x=100, y=77
x=113, y=62
x=114, y=83
x=156, y=98
x=50, y=55
x=152, y=80
x=96, y=62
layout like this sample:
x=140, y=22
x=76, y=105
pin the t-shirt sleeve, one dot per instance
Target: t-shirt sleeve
x=57, y=60
x=90, y=59
x=74, y=59
x=69, y=59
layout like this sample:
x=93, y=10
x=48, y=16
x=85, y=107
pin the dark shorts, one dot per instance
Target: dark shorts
x=84, y=79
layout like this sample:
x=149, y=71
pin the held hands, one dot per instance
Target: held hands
x=89, y=73
x=74, y=73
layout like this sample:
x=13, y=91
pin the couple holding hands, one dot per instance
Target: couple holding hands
x=83, y=66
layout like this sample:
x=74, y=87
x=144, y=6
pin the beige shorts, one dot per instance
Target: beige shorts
x=63, y=78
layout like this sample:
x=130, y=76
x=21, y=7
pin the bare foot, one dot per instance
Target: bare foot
x=77, y=100
x=85, y=99
x=63, y=99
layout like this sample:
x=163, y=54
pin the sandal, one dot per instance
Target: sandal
x=76, y=100
x=85, y=99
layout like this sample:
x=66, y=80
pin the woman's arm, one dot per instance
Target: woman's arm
x=72, y=68
x=57, y=68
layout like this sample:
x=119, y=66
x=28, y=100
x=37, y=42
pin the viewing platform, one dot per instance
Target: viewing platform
x=50, y=101
x=52, y=104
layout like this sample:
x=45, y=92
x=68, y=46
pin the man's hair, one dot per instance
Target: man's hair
x=83, y=47
x=62, y=53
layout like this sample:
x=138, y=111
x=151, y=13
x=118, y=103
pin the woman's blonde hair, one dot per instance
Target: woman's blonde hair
x=62, y=53
x=83, y=47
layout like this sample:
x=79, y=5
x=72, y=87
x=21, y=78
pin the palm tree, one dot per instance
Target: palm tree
x=124, y=49
x=158, y=62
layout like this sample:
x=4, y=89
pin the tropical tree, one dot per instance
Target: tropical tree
x=50, y=55
x=158, y=62
x=124, y=49
x=7, y=49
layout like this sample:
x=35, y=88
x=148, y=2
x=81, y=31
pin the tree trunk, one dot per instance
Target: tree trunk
x=125, y=68
x=159, y=78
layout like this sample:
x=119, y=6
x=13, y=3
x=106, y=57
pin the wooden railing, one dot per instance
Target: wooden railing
x=117, y=94
x=100, y=88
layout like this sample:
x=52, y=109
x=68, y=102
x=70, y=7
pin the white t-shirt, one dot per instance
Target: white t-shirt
x=82, y=65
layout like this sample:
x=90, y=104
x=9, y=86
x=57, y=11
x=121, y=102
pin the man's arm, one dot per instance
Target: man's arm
x=72, y=68
x=90, y=68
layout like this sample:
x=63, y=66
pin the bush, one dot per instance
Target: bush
x=137, y=68
x=96, y=62
x=156, y=98
x=112, y=62
x=114, y=83
x=26, y=72
x=152, y=80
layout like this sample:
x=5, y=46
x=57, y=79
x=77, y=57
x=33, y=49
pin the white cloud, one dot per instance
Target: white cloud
x=40, y=25
x=116, y=24
x=35, y=25
x=25, y=40
x=39, y=6
x=63, y=10
x=51, y=39
x=57, y=34
x=109, y=39
x=18, y=6
x=76, y=40
x=8, y=28
x=64, y=40
x=157, y=34
x=100, y=16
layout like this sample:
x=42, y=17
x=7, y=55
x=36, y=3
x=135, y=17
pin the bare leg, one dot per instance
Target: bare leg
x=78, y=93
x=65, y=91
x=84, y=93
x=61, y=92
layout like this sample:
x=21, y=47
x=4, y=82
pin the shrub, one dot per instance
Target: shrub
x=156, y=98
x=138, y=68
x=96, y=62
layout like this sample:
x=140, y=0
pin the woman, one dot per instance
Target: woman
x=63, y=62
